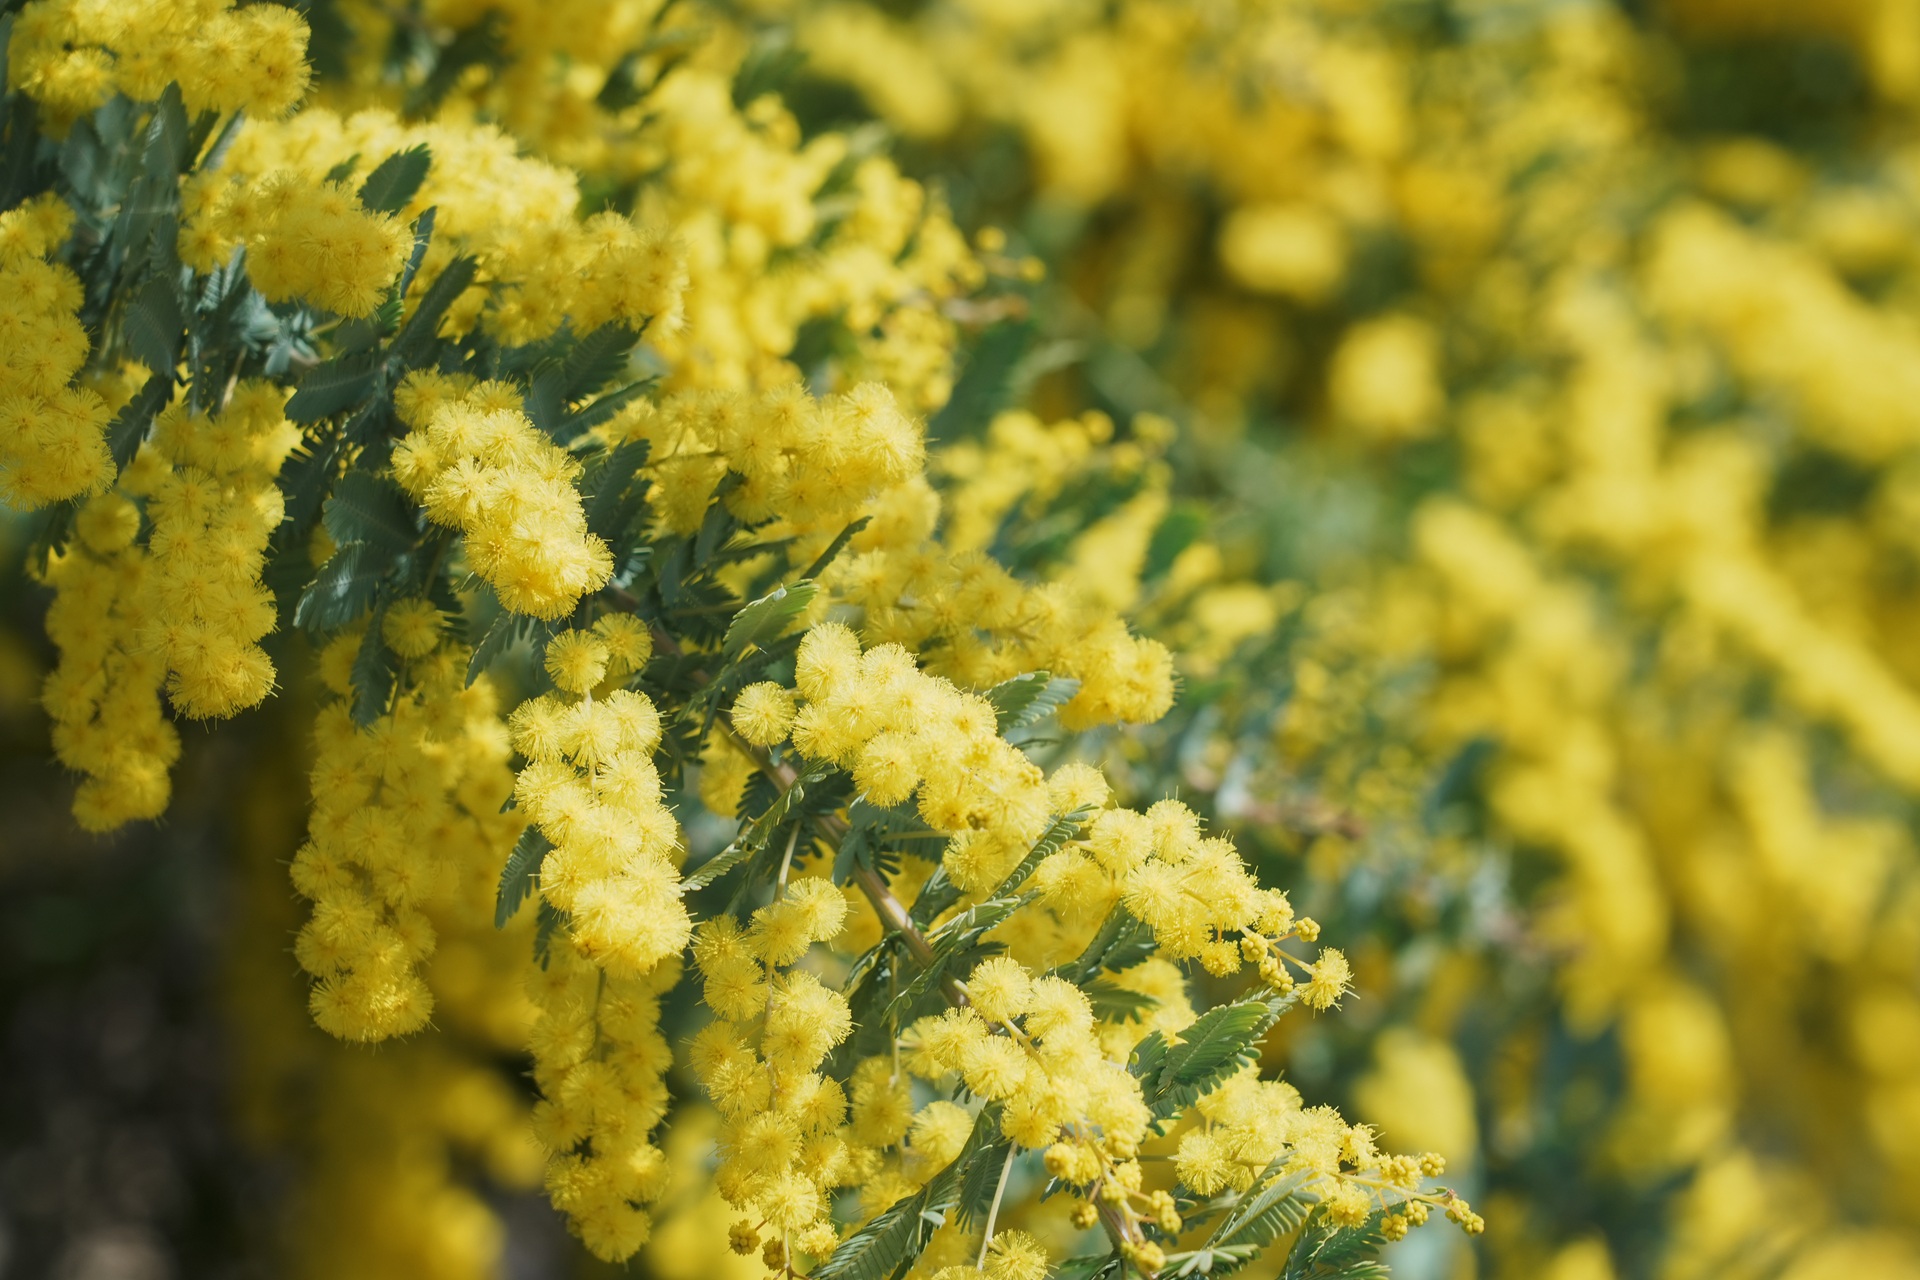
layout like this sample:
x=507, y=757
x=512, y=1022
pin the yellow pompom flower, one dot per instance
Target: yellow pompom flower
x=629, y=642
x=411, y=628
x=763, y=712
x=577, y=660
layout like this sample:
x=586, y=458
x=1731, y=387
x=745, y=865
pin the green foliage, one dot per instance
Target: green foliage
x=1027, y=699
x=396, y=180
x=521, y=875
x=1272, y=1209
x=768, y=617
x=1327, y=1252
x=886, y=1246
x=1222, y=1041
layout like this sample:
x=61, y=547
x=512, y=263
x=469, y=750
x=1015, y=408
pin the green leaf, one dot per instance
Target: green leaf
x=596, y=360
x=1114, y=1003
x=478, y=45
x=1122, y=942
x=129, y=426
x=543, y=400
x=717, y=525
x=985, y=381
x=1174, y=534
x=373, y=673
x=396, y=180
x=979, y=1179
x=1327, y=1252
x=771, y=63
x=1030, y=698
x=223, y=142
x=1148, y=1058
x=767, y=618
x=956, y=940
x=167, y=151
x=882, y=1248
x=834, y=548
x=1275, y=1207
x=550, y=919
x=576, y=424
x=518, y=877
x=305, y=480
x=610, y=506
x=885, y=1246
x=370, y=508
x=423, y=326
x=716, y=866
x=154, y=327
x=506, y=630
x=1088, y=1266
x=342, y=590
x=1219, y=1043
x=1051, y=841
x=422, y=237
x=328, y=388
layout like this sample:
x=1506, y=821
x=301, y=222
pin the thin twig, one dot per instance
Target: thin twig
x=994, y=1212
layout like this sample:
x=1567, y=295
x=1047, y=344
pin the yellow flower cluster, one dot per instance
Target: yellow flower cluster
x=783, y=1144
x=104, y=696
x=70, y=56
x=1031, y=1044
x=743, y=231
x=404, y=811
x=589, y=785
x=1248, y=1124
x=902, y=733
x=52, y=434
x=304, y=239
x=812, y=467
x=1671, y=579
x=977, y=624
x=1192, y=890
x=812, y=464
x=180, y=605
x=406, y=1140
x=541, y=265
x=208, y=483
x=477, y=464
x=600, y=1063
x=769, y=249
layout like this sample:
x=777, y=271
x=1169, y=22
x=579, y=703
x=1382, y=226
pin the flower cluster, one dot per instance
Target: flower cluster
x=104, y=696
x=1031, y=1044
x=904, y=734
x=784, y=1146
x=208, y=483
x=1248, y=1124
x=52, y=434
x=976, y=622
x=812, y=464
x=600, y=1064
x=403, y=808
x=303, y=238
x=163, y=588
x=279, y=190
x=478, y=465
x=747, y=332
x=590, y=786
x=71, y=55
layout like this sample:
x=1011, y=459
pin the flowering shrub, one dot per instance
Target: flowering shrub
x=552, y=419
x=1003, y=637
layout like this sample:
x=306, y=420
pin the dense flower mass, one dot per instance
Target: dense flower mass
x=54, y=443
x=997, y=639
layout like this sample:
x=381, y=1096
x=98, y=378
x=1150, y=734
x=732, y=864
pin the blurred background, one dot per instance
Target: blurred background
x=1519, y=437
